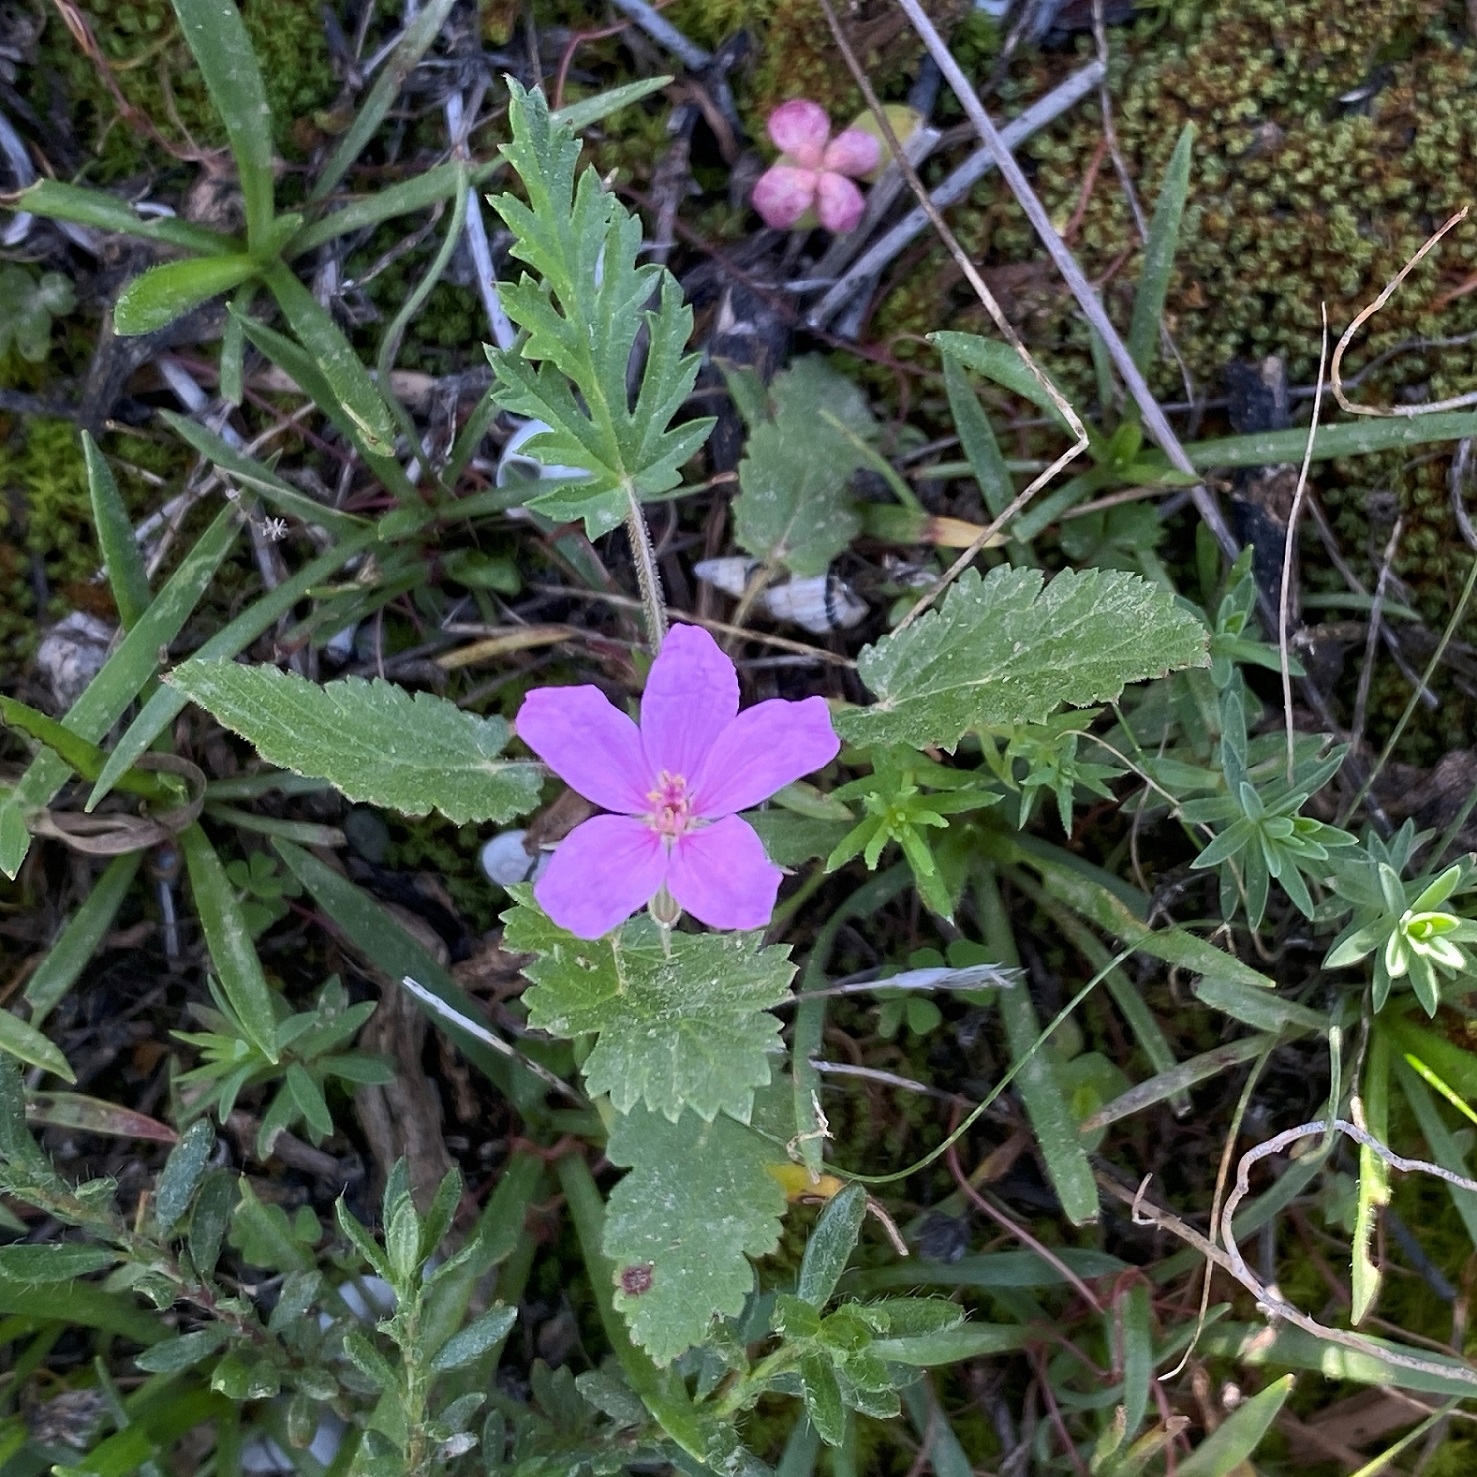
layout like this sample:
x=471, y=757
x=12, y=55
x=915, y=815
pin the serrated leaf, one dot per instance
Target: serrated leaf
x=581, y=320
x=1004, y=650
x=375, y=741
x=793, y=509
x=699, y=1201
x=689, y=1028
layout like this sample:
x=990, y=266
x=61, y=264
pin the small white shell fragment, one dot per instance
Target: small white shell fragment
x=72, y=653
x=515, y=464
x=818, y=603
x=504, y=861
x=729, y=575
x=339, y=647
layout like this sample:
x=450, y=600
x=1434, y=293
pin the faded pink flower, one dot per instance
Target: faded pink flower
x=674, y=784
x=814, y=169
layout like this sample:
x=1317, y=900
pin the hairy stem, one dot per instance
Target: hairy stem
x=647, y=575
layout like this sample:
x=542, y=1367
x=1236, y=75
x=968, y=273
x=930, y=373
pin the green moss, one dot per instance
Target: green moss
x=153, y=69
x=449, y=852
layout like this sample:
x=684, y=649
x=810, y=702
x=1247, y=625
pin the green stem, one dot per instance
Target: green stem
x=648, y=577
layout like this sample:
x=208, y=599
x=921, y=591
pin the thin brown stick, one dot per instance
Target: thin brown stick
x=1372, y=636
x=1145, y=1213
x=997, y=314
x=1018, y=1232
x=1390, y=288
x=1155, y=421
x=1289, y=543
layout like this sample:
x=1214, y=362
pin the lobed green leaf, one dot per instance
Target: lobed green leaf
x=793, y=507
x=699, y=1200
x=685, y=1025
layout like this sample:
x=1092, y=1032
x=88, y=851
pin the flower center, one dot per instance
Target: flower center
x=670, y=814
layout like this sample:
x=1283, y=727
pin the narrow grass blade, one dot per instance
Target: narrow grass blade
x=1046, y=1104
x=248, y=471
x=1167, y=1084
x=419, y=34
x=309, y=378
x=425, y=190
x=946, y=1456
x=1159, y=250
x=579, y=116
x=1264, y=1010
x=337, y=362
x=1223, y=1453
x=105, y=212
x=128, y=576
x=1445, y=1149
x=216, y=36
x=27, y=1044
x=78, y=941
x=1138, y=1356
x=123, y=677
x=228, y=938
x=977, y=437
x=1352, y=438
x=81, y=757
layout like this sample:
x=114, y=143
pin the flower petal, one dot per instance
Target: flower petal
x=600, y=874
x=838, y=202
x=853, y=152
x=589, y=743
x=761, y=751
x=721, y=875
x=783, y=194
x=800, y=129
x=691, y=697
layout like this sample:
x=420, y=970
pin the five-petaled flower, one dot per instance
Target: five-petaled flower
x=814, y=169
x=675, y=785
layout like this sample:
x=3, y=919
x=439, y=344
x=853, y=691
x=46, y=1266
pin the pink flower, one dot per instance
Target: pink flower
x=813, y=169
x=675, y=784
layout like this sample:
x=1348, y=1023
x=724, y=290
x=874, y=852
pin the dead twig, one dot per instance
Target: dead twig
x=1407, y=411
x=1289, y=544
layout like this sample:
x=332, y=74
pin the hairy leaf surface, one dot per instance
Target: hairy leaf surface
x=1004, y=650
x=699, y=1201
x=374, y=741
x=685, y=1029
x=793, y=508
